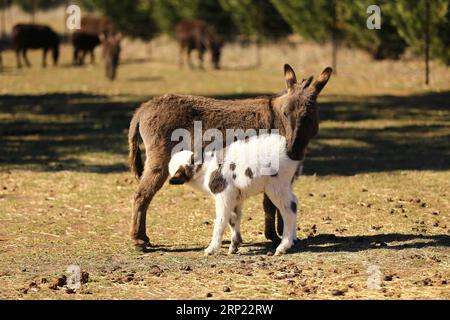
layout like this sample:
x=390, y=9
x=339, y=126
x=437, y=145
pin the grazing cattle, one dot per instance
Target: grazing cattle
x=84, y=42
x=34, y=36
x=197, y=35
x=111, y=54
x=156, y=120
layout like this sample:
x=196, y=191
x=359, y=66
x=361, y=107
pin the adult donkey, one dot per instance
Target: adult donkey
x=111, y=53
x=197, y=35
x=35, y=36
x=156, y=120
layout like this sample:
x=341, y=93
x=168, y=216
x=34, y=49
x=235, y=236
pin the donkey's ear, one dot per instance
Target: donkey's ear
x=320, y=83
x=289, y=76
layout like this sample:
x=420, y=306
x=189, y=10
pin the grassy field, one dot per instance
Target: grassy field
x=375, y=193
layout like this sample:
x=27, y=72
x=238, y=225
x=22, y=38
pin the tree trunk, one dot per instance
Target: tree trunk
x=335, y=36
x=427, y=41
x=33, y=11
x=258, y=52
x=3, y=32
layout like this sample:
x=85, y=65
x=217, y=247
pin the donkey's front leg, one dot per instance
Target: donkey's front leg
x=223, y=214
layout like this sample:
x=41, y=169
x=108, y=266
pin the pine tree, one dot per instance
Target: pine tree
x=4, y=5
x=316, y=20
x=132, y=18
x=167, y=13
x=30, y=5
x=384, y=43
x=344, y=22
x=256, y=18
x=424, y=25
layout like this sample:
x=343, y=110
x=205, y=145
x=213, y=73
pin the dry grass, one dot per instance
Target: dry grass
x=375, y=191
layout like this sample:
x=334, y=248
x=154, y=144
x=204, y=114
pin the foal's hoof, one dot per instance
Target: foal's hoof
x=210, y=251
x=280, y=252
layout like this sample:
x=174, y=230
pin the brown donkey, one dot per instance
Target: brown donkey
x=197, y=35
x=111, y=53
x=157, y=119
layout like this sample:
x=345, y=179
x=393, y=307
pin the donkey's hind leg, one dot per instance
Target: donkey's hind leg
x=154, y=176
x=270, y=211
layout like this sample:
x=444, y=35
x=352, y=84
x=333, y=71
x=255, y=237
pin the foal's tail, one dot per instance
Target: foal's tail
x=134, y=153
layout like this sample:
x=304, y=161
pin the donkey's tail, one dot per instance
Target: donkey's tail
x=134, y=153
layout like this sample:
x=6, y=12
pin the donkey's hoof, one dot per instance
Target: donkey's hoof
x=232, y=251
x=274, y=238
x=141, y=245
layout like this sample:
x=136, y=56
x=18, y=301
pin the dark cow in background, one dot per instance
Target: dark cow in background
x=34, y=36
x=83, y=43
x=197, y=35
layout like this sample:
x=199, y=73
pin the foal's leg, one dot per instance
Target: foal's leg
x=235, y=227
x=223, y=215
x=286, y=202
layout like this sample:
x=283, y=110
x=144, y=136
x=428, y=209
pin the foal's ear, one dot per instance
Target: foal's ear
x=320, y=83
x=179, y=177
x=289, y=76
x=176, y=181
